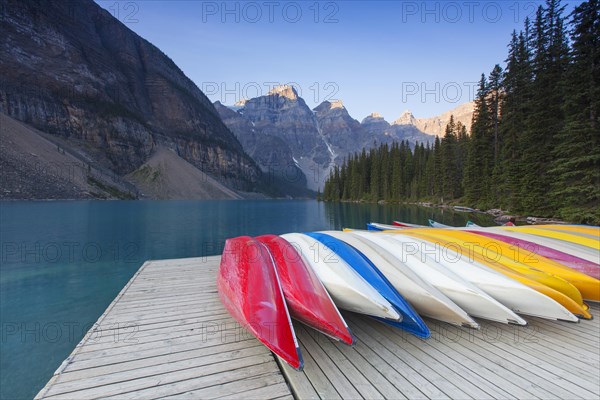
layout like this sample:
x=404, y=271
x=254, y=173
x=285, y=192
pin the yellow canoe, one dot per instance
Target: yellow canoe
x=555, y=295
x=555, y=234
x=588, y=286
x=494, y=251
x=587, y=230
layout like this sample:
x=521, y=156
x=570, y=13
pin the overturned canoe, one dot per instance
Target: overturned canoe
x=584, y=266
x=566, y=247
x=307, y=299
x=376, y=226
x=453, y=287
x=407, y=225
x=410, y=321
x=587, y=241
x=522, y=295
x=546, y=270
x=463, y=281
x=249, y=289
x=589, y=231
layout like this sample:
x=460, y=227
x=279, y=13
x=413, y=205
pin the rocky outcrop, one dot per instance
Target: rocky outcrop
x=374, y=124
x=282, y=113
x=437, y=125
x=166, y=176
x=407, y=118
x=72, y=70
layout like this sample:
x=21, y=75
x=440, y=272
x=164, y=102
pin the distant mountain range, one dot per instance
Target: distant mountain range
x=76, y=81
x=285, y=136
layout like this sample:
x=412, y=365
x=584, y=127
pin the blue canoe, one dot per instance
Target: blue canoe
x=373, y=227
x=411, y=321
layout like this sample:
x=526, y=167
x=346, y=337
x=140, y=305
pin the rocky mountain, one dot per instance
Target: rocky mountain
x=437, y=125
x=281, y=122
x=406, y=119
x=342, y=133
x=374, y=123
x=271, y=152
x=72, y=70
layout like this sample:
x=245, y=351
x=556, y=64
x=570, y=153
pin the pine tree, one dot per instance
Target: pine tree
x=375, y=175
x=517, y=83
x=449, y=146
x=577, y=155
x=437, y=169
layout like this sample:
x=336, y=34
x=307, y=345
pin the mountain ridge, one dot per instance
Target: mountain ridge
x=70, y=69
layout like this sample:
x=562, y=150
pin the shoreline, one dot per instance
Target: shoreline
x=500, y=216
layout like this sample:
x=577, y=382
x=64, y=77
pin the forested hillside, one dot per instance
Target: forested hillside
x=534, y=144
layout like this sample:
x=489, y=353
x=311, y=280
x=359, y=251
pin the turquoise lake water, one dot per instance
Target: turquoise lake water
x=63, y=262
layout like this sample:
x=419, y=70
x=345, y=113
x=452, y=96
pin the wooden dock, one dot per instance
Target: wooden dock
x=167, y=335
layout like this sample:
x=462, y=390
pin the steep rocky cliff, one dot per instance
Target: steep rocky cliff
x=342, y=132
x=271, y=152
x=71, y=69
x=282, y=122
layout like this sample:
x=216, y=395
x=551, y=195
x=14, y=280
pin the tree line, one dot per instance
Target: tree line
x=534, y=143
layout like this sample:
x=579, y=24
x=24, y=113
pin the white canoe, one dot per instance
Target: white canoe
x=469, y=297
x=425, y=299
x=346, y=287
x=467, y=294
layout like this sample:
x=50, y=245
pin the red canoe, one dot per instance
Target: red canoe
x=407, y=225
x=250, y=290
x=307, y=299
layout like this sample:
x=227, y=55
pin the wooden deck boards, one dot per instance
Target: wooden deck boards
x=166, y=335
x=545, y=359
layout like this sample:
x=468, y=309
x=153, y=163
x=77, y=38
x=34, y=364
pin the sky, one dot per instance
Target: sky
x=378, y=56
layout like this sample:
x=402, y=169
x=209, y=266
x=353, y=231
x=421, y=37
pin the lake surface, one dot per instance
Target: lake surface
x=63, y=262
